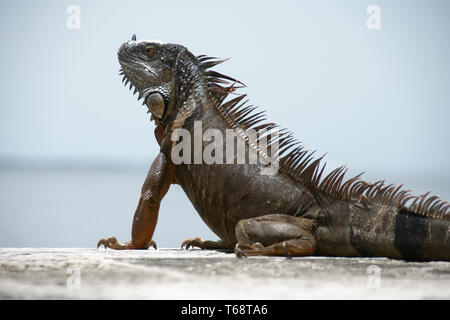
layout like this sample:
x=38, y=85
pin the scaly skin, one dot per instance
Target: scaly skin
x=294, y=212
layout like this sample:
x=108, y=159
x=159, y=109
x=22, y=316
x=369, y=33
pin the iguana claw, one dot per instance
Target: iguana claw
x=114, y=244
x=108, y=243
x=238, y=252
x=192, y=242
x=153, y=244
x=206, y=244
x=286, y=250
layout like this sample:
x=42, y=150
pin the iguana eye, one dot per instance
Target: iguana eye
x=156, y=105
x=150, y=50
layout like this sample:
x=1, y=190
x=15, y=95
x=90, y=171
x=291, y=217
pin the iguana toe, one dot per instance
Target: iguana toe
x=192, y=242
x=206, y=244
x=239, y=252
x=112, y=243
x=153, y=244
x=108, y=242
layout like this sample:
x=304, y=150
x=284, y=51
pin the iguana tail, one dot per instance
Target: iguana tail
x=381, y=230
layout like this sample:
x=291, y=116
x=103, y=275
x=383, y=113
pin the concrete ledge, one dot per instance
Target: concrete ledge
x=30, y=273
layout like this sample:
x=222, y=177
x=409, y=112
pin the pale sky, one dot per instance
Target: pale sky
x=375, y=100
x=369, y=98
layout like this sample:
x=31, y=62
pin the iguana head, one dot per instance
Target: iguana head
x=149, y=67
x=165, y=74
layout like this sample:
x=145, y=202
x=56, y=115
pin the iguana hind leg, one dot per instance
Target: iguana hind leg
x=275, y=235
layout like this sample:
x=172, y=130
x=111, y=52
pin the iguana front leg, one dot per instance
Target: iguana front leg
x=275, y=235
x=156, y=185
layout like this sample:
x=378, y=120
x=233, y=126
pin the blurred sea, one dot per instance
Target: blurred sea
x=72, y=204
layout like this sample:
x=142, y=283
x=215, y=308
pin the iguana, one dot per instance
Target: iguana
x=296, y=211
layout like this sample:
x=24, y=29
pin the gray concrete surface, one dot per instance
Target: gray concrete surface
x=41, y=273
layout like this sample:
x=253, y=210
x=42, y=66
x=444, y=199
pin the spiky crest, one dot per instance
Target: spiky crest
x=300, y=165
